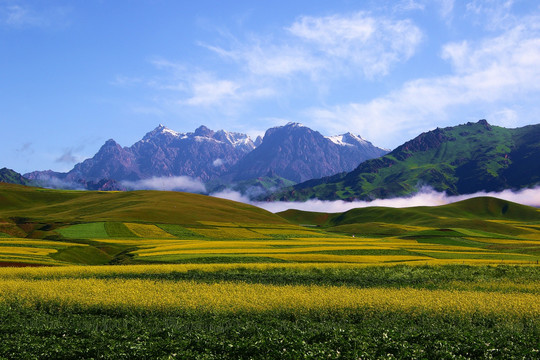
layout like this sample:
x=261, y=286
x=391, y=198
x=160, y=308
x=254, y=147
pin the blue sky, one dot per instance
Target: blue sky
x=76, y=73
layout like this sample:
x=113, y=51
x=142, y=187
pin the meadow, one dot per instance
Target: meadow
x=171, y=275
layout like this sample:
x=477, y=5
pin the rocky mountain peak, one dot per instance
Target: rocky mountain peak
x=110, y=144
x=160, y=130
x=203, y=131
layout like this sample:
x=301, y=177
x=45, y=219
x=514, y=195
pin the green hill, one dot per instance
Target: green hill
x=12, y=177
x=462, y=159
x=485, y=214
x=44, y=205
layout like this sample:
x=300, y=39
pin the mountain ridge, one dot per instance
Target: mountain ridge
x=462, y=159
x=298, y=153
x=209, y=155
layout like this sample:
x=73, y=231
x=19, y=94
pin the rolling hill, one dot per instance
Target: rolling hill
x=490, y=216
x=36, y=205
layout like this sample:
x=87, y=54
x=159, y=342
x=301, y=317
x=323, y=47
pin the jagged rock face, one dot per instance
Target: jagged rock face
x=292, y=152
x=203, y=154
x=298, y=153
x=111, y=162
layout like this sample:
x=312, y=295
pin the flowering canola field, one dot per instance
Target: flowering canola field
x=229, y=242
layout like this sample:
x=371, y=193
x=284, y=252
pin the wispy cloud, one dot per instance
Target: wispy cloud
x=372, y=44
x=322, y=45
x=19, y=14
x=26, y=148
x=496, y=69
x=494, y=14
x=67, y=157
x=310, y=50
x=173, y=183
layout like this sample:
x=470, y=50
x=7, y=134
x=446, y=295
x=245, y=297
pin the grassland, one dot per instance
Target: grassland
x=184, y=276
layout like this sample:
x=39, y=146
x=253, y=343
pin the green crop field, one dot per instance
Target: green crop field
x=189, y=276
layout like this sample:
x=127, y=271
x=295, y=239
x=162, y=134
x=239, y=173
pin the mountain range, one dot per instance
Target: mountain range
x=463, y=159
x=286, y=155
x=303, y=164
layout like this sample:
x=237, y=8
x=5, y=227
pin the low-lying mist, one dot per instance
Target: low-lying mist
x=173, y=183
x=425, y=197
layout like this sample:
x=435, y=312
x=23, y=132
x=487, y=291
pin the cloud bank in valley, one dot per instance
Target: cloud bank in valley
x=174, y=183
x=425, y=197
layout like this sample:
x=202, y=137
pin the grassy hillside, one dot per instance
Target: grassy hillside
x=44, y=205
x=13, y=177
x=457, y=160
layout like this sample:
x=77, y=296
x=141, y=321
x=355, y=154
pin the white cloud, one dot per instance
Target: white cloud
x=19, y=15
x=315, y=45
x=503, y=68
x=409, y=5
x=234, y=196
x=494, y=14
x=446, y=8
x=306, y=55
x=173, y=183
x=505, y=117
x=426, y=197
x=218, y=162
x=212, y=92
x=374, y=44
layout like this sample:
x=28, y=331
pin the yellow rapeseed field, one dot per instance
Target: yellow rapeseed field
x=24, y=250
x=148, y=231
x=151, y=295
x=228, y=233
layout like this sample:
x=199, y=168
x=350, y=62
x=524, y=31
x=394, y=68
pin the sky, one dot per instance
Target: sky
x=76, y=73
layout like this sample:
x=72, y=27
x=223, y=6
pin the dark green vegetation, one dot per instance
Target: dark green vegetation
x=43, y=334
x=419, y=277
x=12, y=177
x=457, y=160
x=51, y=331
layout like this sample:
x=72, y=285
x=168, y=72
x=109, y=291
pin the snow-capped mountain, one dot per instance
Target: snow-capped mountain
x=202, y=154
x=293, y=152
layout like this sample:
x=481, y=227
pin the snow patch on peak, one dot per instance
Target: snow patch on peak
x=295, y=125
x=235, y=139
x=171, y=132
x=347, y=139
x=161, y=130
